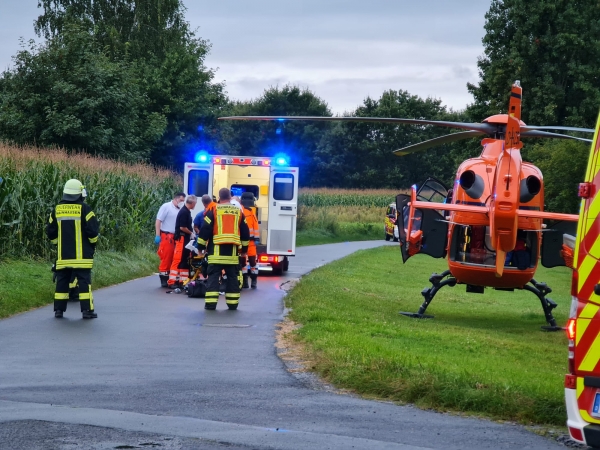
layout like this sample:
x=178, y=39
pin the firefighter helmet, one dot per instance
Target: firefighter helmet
x=73, y=190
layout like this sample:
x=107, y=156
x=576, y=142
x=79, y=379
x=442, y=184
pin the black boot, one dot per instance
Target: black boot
x=245, y=284
x=254, y=278
x=232, y=307
x=89, y=314
x=58, y=314
x=210, y=306
x=164, y=281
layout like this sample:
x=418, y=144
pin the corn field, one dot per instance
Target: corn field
x=347, y=197
x=124, y=197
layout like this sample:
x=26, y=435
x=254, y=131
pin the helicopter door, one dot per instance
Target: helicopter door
x=428, y=221
x=552, y=241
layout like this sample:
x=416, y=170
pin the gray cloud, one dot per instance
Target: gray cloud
x=343, y=50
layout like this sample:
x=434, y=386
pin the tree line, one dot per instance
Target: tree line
x=126, y=79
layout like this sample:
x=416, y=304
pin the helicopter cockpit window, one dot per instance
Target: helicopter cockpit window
x=432, y=191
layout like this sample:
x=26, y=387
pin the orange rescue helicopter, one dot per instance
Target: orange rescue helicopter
x=490, y=225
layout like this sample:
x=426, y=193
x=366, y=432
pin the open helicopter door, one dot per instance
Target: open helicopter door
x=283, y=209
x=428, y=228
x=552, y=242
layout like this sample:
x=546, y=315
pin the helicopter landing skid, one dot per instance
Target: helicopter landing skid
x=429, y=293
x=541, y=290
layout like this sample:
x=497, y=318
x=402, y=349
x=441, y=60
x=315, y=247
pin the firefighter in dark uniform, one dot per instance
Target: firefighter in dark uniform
x=74, y=228
x=225, y=236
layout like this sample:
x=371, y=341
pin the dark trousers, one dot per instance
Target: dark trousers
x=73, y=279
x=232, y=287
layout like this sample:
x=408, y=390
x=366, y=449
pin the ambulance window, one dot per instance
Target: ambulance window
x=238, y=189
x=198, y=182
x=284, y=186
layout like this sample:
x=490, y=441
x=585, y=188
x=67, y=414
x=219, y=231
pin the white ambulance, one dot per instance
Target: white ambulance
x=275, y=187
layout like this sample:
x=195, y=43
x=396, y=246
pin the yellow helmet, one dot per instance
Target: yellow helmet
x=73, y=190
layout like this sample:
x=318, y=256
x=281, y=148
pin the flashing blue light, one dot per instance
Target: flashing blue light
x=280, y=160
x=281, y=120
x=278, y=131
x=201, y=157
x=200, y=128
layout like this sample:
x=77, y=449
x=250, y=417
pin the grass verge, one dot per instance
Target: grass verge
x=27, y=284
x=343, y=231
x=482, y=354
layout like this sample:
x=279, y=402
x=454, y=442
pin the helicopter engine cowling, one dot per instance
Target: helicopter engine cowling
x=530, y=187
x=472, y=184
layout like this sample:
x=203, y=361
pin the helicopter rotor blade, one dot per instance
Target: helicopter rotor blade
x=545, y=134
x=436, y=142
x=481, y=127
x=579, y=130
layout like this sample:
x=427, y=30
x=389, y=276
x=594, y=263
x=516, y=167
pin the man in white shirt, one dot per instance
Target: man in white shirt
x=165, y=230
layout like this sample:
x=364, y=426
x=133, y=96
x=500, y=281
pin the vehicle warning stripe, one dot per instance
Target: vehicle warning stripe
x=592, y=356
x=580, y=386
x=584, y=271
x=582, y=325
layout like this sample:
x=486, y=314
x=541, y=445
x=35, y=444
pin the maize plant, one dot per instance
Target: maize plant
x=124, y=197
x=347, y=197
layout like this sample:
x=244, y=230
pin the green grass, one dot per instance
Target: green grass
x=27, y=284
x=482, y=354
x=342, y=232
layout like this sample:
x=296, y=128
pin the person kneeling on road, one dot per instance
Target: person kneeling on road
x=73, y=227
x=223, y=234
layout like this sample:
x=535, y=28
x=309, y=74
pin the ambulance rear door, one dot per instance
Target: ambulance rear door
x=283, y=209
x=198, y=181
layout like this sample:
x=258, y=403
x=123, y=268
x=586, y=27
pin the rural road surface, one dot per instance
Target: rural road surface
x=157, y=371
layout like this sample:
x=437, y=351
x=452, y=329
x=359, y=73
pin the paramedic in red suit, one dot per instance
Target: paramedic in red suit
x=165, y=230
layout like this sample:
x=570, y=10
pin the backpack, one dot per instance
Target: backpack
x=196, y=289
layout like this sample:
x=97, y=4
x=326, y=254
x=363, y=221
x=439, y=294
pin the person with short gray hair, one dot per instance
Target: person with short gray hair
x=180, y=268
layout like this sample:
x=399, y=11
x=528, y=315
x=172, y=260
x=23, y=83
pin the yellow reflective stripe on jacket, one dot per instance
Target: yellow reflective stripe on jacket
x=245, y=243
x=216, y=259
x=74, y=263
x=227, y=239
x=54, y=241
x=89, y=216
x=201, y=241
x=207, y=220
x=59, y=239
x=78, y=243
x=50, y=220
x=93, y=240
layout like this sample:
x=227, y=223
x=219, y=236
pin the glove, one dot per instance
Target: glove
x=157, y=240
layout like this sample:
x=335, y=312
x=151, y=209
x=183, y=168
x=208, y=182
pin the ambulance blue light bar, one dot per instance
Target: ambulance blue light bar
x=201, y=157
x=281, y=160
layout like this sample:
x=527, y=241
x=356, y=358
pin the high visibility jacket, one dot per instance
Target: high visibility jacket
x=252, y=222
x=224, y=231
x=73, y=226
x=211, y=207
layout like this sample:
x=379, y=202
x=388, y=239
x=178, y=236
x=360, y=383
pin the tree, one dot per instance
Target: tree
x=553, y=48
x=66, y=93
x=161, y=57
x=299, y=140
x=359, y=155
x=563, y=164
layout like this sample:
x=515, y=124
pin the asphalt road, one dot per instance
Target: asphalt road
x=156, y=370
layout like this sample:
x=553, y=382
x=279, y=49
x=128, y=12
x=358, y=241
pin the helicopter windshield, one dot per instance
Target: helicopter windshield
x=432, y=191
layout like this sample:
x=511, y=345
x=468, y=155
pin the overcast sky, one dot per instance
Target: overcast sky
x=343, y=50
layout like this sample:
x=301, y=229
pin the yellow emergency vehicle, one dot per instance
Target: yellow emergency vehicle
x=274, y=185
x=582, y=253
